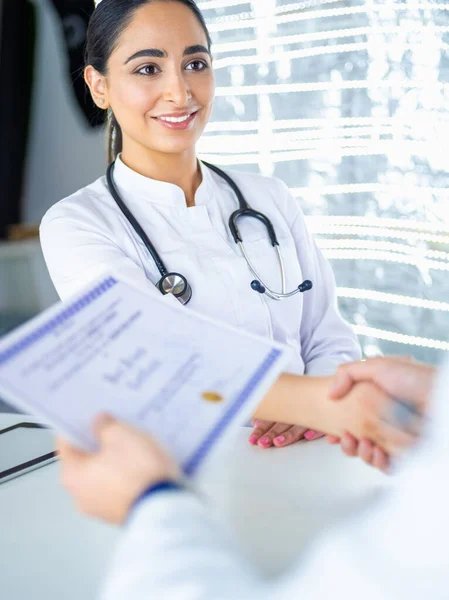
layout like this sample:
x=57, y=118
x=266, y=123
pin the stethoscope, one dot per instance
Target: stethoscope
x=175, y=283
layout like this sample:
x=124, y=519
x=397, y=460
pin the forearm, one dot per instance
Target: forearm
x=299, y=400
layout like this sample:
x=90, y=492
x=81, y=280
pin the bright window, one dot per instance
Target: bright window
x=348, y=103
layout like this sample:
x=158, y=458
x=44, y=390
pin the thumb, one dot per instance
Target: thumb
x=348, y=374
x=101, y=424
x=66, y=451
x=341, y=384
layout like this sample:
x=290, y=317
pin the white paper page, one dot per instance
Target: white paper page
x=182, y=377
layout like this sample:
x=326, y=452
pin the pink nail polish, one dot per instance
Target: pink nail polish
x=280, y=439
x=264, y=441
x=253, y=439
x=310, y=435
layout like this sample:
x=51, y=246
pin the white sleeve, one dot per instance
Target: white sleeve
x=76, y=253
x=326, y=339
x=173, y=550
x=397, y=548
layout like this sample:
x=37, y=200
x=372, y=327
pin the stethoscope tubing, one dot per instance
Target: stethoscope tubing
x=134, y=222
x=244, y=210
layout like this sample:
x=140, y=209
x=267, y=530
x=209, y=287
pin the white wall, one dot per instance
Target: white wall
x=64, y=153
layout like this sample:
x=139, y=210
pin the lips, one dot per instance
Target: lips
x=177, y=121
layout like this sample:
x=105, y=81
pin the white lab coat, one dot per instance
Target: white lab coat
x=86, y=234
x=398, y=549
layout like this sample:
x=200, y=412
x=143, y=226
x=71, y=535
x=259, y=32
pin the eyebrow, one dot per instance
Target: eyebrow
x=156, y=53
x=198, y=48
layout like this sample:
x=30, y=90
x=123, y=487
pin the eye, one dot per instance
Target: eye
x=197, y=65
x=148, y=70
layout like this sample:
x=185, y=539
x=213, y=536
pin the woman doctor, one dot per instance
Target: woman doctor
x=149, y=65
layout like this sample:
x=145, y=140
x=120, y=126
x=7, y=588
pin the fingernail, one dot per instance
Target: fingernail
x=280, y=439
x=310, y=435
x=264, y=441
x=253, y=439
x=256, y=423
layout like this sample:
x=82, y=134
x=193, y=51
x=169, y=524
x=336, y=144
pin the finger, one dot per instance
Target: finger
x=333, y=439
x=311, y=435
x=260, y=430
x=66, y=451
x=381, y=460
x=101, y=424
x=61, y=445
x=391, y=440
x=266, y=441
x=349, y=444
x=366, y=450
x=352, y=372
x=72, y=465
x=341, y=384
x=292, y=435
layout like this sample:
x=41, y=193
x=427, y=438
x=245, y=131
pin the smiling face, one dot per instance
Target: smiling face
x=159, y=83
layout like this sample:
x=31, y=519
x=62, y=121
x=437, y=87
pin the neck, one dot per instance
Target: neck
x=179, y=169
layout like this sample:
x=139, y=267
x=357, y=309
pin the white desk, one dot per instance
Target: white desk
x=276, y=499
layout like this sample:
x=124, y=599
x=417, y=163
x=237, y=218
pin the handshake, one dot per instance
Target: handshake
x=374, y=408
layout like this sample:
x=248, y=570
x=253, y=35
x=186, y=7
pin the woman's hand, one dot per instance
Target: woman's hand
x=107, y=483
x=267, y=434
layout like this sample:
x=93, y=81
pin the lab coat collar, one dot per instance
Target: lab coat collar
x=159, y=192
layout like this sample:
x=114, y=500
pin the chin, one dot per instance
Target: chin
x=174, y=142
x=176, y=148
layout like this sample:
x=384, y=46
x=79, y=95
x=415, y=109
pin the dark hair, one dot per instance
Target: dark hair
x=106, y=24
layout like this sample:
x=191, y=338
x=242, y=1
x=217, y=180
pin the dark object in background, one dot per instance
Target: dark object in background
x=17, y=61
x=17, y=48
x=74, y=16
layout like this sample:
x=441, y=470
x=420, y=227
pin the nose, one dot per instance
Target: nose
x=177, y=90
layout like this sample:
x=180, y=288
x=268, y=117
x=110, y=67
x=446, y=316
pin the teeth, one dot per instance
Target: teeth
x=175, y=119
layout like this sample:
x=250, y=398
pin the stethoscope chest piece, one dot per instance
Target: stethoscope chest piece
x=177, y=285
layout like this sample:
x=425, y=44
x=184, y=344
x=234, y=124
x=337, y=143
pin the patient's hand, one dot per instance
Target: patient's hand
x=105, y=484
x=398, y=377
x=267, y=434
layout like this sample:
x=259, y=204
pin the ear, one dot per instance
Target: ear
x=96, y=83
